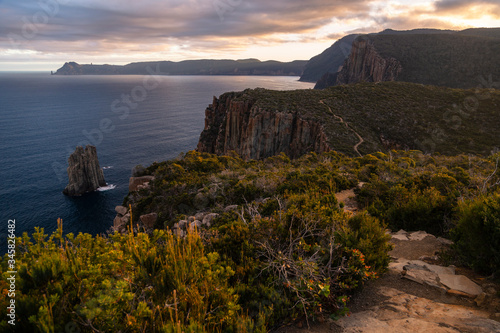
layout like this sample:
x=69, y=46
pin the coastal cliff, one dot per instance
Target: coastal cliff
x=236, y=122
x=84, y=173
x=365, y=64
x=354, y=119
x=458, y=59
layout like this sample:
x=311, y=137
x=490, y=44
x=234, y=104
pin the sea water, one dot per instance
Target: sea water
x=131, y=119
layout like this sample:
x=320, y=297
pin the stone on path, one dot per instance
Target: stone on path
x=460, y=283
x=419, y=235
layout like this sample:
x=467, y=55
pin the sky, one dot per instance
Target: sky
x=44, y=34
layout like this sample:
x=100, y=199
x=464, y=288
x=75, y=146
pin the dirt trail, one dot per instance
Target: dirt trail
x=361, y=140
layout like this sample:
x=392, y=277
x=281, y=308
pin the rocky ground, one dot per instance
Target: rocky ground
x=419, y=293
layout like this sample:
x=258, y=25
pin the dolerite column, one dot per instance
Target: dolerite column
x=84, y=173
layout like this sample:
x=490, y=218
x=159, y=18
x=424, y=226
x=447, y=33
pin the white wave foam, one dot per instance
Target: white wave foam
x=107, y=167
x=106, y=188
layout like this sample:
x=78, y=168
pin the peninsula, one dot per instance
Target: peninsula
x=190, y=67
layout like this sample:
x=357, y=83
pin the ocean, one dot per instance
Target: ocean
x=131, y=120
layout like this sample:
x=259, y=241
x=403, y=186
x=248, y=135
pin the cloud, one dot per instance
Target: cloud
x=469, y=9
x=210, y=28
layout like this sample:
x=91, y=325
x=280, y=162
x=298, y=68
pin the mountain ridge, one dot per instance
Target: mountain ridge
x=189, y=67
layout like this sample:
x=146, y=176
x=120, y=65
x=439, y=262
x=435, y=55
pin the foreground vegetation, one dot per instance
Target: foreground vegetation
x=281, y=248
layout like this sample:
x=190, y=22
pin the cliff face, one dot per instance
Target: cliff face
x=353, y=119
x=233, y=124
x=441, y=58
x=84, y=172
x=365, y=64
x=329, y=61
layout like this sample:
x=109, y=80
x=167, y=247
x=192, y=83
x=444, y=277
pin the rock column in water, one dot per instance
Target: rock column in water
x=84, y=173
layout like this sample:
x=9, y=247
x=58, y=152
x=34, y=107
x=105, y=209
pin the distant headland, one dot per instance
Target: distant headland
x=189, y=67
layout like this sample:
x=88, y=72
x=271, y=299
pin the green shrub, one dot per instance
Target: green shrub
x=365, y=233
x=477, y=233
x=132, y=283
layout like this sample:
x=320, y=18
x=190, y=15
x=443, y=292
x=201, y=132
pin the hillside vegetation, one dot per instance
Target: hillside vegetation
x=456, y=59
x=450, y=60
x=281, y=247
x=386, y=115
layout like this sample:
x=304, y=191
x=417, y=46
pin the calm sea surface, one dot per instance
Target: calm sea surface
x=43, y=118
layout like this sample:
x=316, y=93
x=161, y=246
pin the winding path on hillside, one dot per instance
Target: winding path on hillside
x=361, y=140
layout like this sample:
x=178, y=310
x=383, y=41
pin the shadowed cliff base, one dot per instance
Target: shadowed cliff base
x=258, y=123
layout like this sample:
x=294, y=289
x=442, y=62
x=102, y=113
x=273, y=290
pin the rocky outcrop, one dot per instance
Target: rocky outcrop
x=148, y=220
x=122, y=219
x=138, y=183
x=121, y=222
x=365, y=64
x=238, y=124
x=84, y=173
x=329, y=61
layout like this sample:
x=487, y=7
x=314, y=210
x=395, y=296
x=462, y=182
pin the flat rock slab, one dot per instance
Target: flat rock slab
x=404, y=264
x=460, y=283
x=440, y=277
x=402, y=313
x=400, y=237
x=423, y=277
x=419, y=235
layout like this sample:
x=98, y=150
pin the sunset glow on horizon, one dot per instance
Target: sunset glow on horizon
x=43, y=35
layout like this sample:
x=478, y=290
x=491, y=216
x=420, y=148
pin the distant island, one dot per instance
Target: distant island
x=189, y=67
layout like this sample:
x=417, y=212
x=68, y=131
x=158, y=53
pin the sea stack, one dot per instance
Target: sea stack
x=84, y=173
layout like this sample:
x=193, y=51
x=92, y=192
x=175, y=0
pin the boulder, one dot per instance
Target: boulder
x=207, y=220
x=195, y=224
x=135, y=182
x=120, y=210
x=84, y=173
x=200, y=201
x=199, y=216
x=126, y=219
x=148, y=220
x=179, y=232
x=120, y=223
